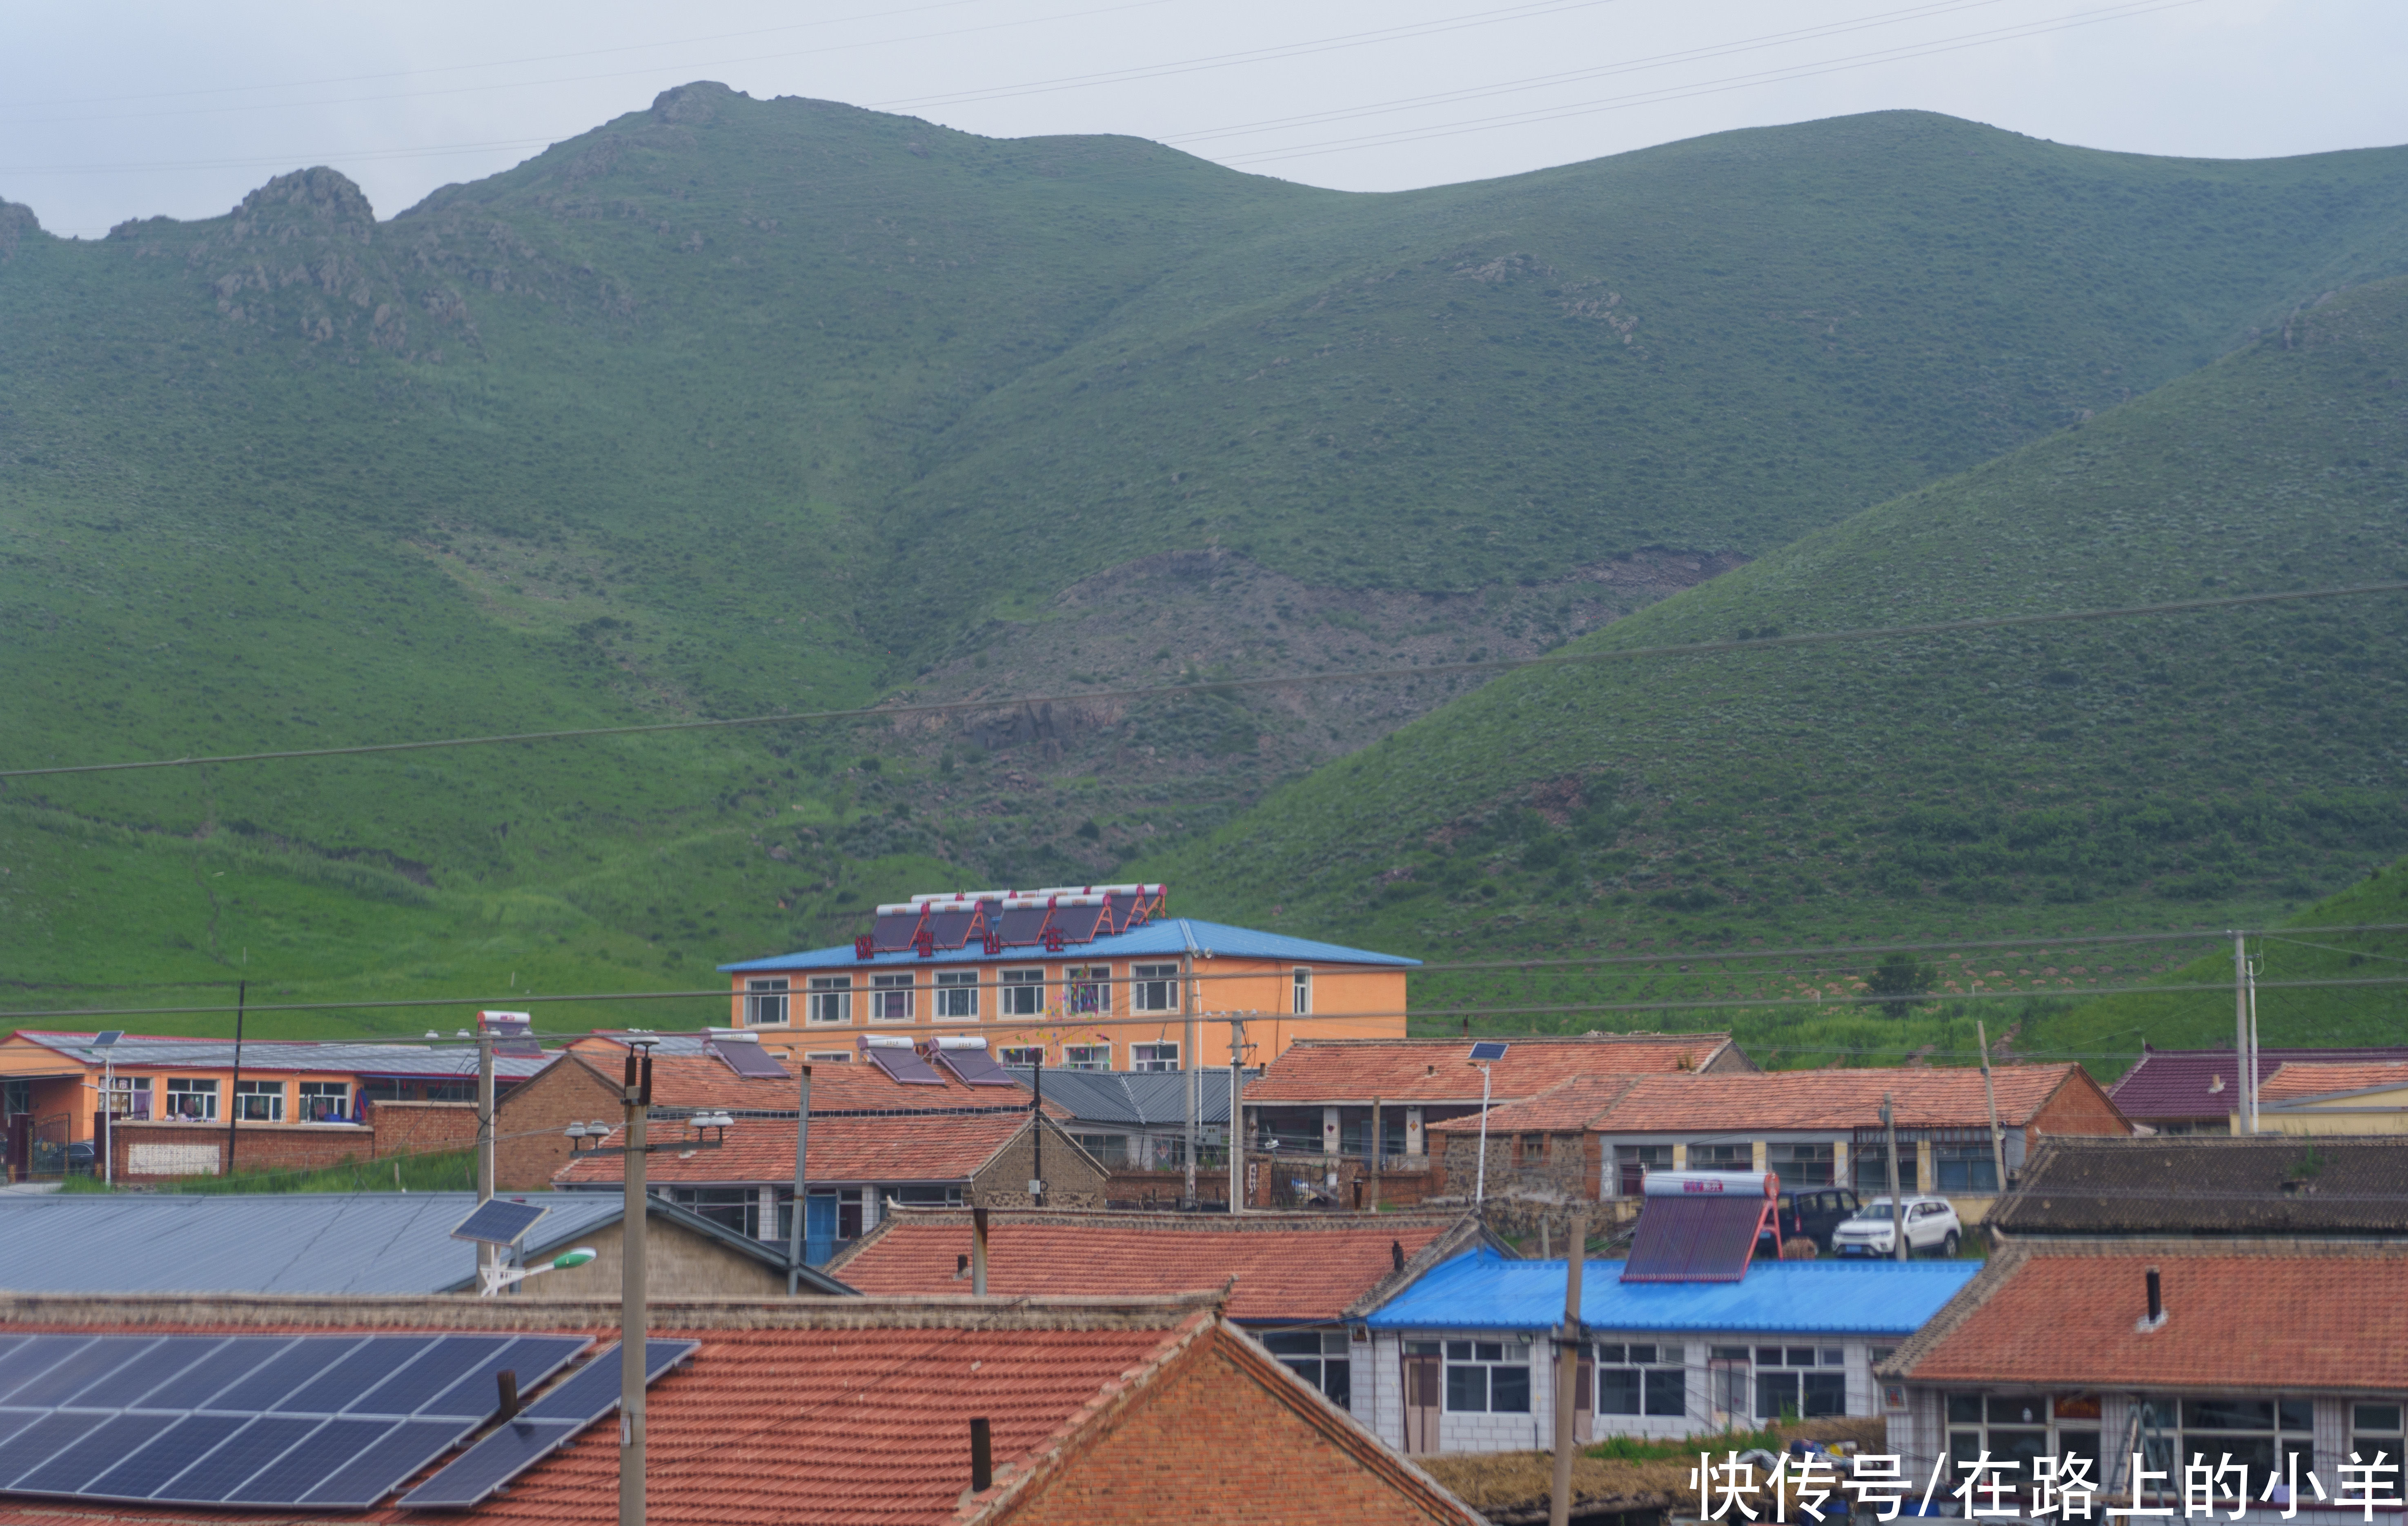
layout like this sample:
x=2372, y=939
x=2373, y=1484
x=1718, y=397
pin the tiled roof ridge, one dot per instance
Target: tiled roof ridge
x=1450, y=1041
x=1472, y=1228
x=2294, y=1080
x=2018, y=1253
x=1506, y=1117
x=1260, y=1221
x=446, y=1311
x=2033, y=1084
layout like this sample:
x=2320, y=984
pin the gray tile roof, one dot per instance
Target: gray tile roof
x=412, y=1059
x=2275, y=1185
x=1135, y=1099
x=316, y=1243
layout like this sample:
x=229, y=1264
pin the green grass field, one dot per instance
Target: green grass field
x=733, y=407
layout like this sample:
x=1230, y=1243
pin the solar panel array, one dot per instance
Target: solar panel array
x=333, y=1421
x=1695, y=1239
x=748, y=1058
x=541, y=1428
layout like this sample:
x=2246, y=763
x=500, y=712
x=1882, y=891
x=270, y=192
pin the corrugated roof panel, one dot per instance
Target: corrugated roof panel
x=414, y=1061
x=1482, y=1291
x=1173, y=935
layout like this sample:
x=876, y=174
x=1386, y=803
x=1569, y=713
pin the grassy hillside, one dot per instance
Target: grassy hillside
x=2189, y=771
x=732, y=406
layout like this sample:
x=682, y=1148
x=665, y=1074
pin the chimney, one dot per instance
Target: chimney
x=2156, y=1317
x=1397, y=1254
x=506, y=1380
x=982, y=1455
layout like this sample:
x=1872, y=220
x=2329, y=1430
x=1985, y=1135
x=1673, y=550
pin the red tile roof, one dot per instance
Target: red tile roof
x=1302, y=1267
x=930, y=1146
x=855, y=1412
x=2296, y=1080
x=1330, y=1071
x=2267, y=1315
x=2199, y=1083
x=1780, y=1099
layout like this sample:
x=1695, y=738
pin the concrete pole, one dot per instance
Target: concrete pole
x=1569, y=1341
x=796, y=1245
x=1896, y=1207
x=1480, y=1183
x=632, y=1322
x=2245, y=1067
x=487, y=1256
x=1990, y=1099
x=1191, y=1063
x=1237, y=1115
x=978, y=1252
x=1374, y=1154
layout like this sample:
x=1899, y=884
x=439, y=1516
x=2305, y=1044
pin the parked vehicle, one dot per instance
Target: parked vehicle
x=1813, y=1213
x=1932, y=1225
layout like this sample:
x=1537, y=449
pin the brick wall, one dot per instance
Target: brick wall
x=2077, y=1106
x=420, y=1128
x=678, y=1263
x=1241, y=1451
x=157, y=1151
x=1562, y=1166
x=1073, y=1179
x=1141, y=1188
x=529, y=1143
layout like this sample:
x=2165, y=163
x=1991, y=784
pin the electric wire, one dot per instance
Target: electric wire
x=1225, y=686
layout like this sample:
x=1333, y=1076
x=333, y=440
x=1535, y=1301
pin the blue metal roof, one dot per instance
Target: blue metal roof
x=1172, y=936
x=1483, y=1290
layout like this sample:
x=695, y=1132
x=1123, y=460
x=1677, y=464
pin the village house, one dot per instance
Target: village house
x=812, y=1412
x=1312, y=1108
x=2236, y=1351
x=1463, y=1358
x=1598, y=1137
x=2179, y=1091
x=1094, y=978
x=362, y=1242
x=1292, y=1279
x=934, y=1126
x=2326, y=1097
x=2210, y=1186
x=1137, y=1120
x=181, y=1104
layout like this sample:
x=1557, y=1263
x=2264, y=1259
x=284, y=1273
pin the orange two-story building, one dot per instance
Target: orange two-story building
x=1090, y=977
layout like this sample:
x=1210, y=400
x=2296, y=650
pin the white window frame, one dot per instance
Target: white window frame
x=310, y=1092
x=951, y=987
x=1154, y=988
x=883, y=992
x=828, y=1057
x=1300, y=991
x=1162, y=1054
x=1010, y=987
x=1093, y=978
x=129, y=1096
x=1084, y=1056
x=766, y=994
x=269, y=1092
x=1511, y=1355
x=1022, y=1054
x=830, y=1001
x=205, y=1089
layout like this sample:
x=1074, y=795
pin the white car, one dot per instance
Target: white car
x=1931, y=1226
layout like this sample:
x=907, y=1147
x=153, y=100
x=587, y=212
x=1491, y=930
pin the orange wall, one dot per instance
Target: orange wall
x=1224, y=985
x=78, y=1097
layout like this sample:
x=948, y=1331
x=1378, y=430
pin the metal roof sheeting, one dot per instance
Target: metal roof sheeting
x=412, y=1059
x=1483, y=1290
x=267, y=1243
x=1177, y=936
x=1135, y=1099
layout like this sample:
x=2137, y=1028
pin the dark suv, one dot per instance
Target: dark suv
x=1813, y=1213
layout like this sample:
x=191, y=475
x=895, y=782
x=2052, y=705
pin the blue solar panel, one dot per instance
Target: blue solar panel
x=37, y=1443
x=280, y=1374
x=498, y=1221
x=236, y=1458
x=551, y=1422
x=1488, y=1051
x=413, y=1387
x=67, y=1379
x=386, y=1466
x=154, y=1466
x=309, y=1461
x=72, y=1467
x=364, y=1368
x=472, y=1359
x=134, y=1382
x=226, y=1365
x=38, y=1356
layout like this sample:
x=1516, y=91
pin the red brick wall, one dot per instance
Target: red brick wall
x=260, y=1147
x=1210, y=1442
x=2078, y=1107
x=529, y=1143
x=423, y=1128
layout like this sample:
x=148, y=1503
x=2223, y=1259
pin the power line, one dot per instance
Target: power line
x=1224, y=686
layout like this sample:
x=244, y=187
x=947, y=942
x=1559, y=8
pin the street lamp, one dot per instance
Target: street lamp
x=499, y=1277
x=1483, y=1055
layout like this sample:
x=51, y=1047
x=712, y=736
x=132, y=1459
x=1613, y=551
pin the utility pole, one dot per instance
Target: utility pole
x=637, y=1096
x=2253, y=1048
x=1037, y=1136
x=1237, y=1115
x=2246, y=1068
x=1896, y=1208
x=1479, y=1182
x=1377, y=1146
x=795, y=1233
x=1570, y=1341
x=233, y=1103
x=1990, y=1099
x=487, y=1255
x=1190, y=1062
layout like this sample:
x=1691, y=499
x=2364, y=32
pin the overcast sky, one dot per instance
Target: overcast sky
x=111, y=110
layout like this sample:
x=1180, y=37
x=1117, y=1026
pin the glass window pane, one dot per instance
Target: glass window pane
x=1337, y=1383
x=1456, y=1350
x=1799, y=1356
x=1643, y=1356
x=1827, y=1393
x=1964, y=1407
x=1833, y=1356
x=1293, y=1342
x=1509, y=1391
x=1766, y=1356
x=2228, y=1414
x=1617, y=1390
x=1776, y=1393
x=1668, y=1392
x=2024, y=1409
x=1467, y=1389
x=1485, y=1351
x=2361, y=1416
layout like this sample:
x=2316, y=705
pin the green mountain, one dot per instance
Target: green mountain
x=2204, y=770
x=734, y=406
